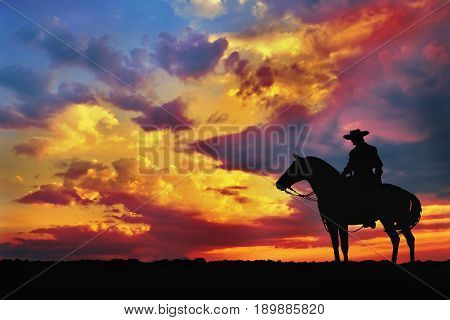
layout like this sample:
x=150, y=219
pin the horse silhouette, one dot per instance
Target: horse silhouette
x=397, y=209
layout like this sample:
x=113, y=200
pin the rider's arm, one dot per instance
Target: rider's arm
x=378, y=173
x=349, y=167
x=347, y=170
x=378, y=165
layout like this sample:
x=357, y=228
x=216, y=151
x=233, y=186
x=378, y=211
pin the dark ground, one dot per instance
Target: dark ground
x=197, y=279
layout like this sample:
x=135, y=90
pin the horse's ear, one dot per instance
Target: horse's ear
x=296, y=156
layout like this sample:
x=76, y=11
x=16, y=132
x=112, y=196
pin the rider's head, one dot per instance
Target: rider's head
x=356, y=136
x=357, y=140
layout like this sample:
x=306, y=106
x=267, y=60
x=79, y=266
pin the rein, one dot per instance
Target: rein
x=308, y=196
x=294, y=193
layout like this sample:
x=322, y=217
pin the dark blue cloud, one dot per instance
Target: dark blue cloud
x=59, y=53
x=259, y=149
x=34, y=99
x=191, y=55
x=312, y=11
x=23, y=81
x=171, y=115
x=95, y=54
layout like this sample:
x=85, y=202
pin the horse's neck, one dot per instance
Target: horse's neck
x=324, y=186
x=325, y=180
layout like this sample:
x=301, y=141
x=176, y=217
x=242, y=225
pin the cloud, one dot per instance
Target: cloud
x=23, y=81
x=114, y=243
x=89, y=182
x=131, y=69
x=13, y=119
x=36, y=101
x=35, y=147
x=231, y=191
x=273, y=70
x=217, y=117
x=400, y=97
x=151, y=230
x=258, y=149
x=201, y=8
x=170, y=234
x=191, y=55
x=315, y=11
x=170, y=115
x=436, y=52
x=77, y=127
x=252, y=81
x=279, y=65
x=95, y=54
x=51, y=194
x=130, y=102
x=398, y=94
x=76, y=168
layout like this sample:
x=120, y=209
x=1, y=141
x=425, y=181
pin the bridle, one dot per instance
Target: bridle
x=295, y=193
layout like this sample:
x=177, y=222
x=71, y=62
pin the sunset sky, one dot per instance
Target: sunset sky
x=83, y=82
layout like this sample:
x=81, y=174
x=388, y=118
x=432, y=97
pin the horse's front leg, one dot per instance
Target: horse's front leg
x=343, y=234
x=334, y=240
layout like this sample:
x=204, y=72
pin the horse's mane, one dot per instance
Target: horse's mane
x=321, y=165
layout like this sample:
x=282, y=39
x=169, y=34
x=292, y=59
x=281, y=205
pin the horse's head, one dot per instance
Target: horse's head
x=299, y=170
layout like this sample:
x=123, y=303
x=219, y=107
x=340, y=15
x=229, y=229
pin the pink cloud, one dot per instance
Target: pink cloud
x=436, y=53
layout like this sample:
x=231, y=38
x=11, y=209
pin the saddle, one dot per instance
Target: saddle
x=361, y=198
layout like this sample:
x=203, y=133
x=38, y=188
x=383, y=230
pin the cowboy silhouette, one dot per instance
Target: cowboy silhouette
x=364, y=169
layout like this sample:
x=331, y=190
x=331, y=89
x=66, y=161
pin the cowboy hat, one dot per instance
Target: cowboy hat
x=355, y=134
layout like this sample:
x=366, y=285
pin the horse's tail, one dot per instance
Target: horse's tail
x=414, y=211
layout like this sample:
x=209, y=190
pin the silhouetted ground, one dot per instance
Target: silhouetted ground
x=197, y=279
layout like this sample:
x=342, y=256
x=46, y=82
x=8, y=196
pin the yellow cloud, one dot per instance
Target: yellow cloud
x=80, y=127
x=303, y=57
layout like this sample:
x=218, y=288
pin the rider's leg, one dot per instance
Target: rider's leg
x=368, y=198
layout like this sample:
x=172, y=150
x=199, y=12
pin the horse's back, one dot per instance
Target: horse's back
x=388, y=201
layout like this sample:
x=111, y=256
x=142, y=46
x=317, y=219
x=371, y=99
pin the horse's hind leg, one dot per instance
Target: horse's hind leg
x=410, y=240
x=343, y=233
x=334, y=240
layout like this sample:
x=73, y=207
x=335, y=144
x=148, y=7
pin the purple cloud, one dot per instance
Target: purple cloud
x=35, y=147
x=171, y=115
x=35, y=101
x=189, y=56
x=76, y=168
x=95, y=54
